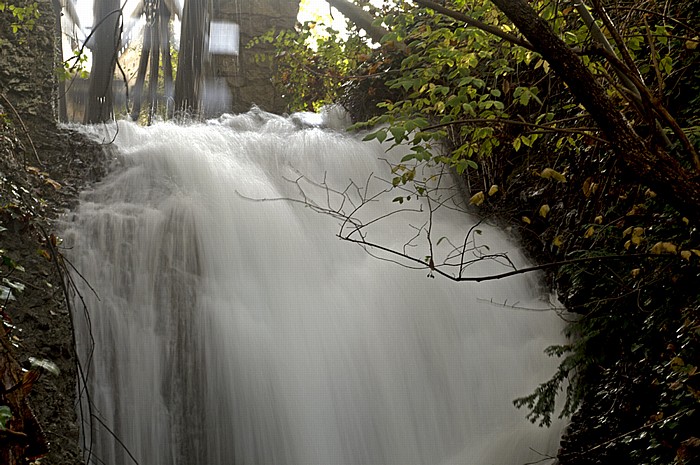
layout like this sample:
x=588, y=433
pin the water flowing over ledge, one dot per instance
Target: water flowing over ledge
x=233, y=326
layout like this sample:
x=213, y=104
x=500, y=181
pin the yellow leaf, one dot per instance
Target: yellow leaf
x=686, y=254
x=627, y=245
x=53, y=183
x=686, y=220
x=627, y=231
x=526, y=220
x=664, y=247
x=549, y=173
x=637, y=235
x=589, y=187
x=650, y=193
x=636, y=210
x=598, y=219
x=557, y=241
x=589, y=232
x=493, y=190
x=477, y=199
x=696, y=252
x=635, y=272
x=544, y=210
x=692, y=44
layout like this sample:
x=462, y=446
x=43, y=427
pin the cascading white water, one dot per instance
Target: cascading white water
x=234, y=328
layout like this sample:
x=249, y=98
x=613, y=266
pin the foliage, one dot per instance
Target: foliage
x=22, y=19
x=313, y=62
x=450, y=74
x=24, y=16
x=73, y=67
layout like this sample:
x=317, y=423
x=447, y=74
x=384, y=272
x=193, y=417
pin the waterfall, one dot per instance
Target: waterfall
x=232, y=326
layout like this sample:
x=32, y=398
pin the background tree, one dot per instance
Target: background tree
x=189, y=84
x=156, y=43
x=107, y=36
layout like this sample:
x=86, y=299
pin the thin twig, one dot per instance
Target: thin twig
x=116, y=438
x=628, y=433
x=26, y=131
x=64, y=278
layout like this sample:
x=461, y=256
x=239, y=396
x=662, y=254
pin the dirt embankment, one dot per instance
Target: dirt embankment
x=42, y=169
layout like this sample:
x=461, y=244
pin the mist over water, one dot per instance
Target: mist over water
x=234, y=326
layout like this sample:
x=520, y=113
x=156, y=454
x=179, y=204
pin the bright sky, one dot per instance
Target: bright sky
x=310, y=10
x=319, y=10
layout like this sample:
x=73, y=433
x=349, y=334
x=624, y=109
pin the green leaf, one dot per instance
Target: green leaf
x=516, y=143
x=398, y=132
x=525, y=97
x=463, y=164
x=8, y=262
x=379, y=135
x=666, y=64
x=5, y=416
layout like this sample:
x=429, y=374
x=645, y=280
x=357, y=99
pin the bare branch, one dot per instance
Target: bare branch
x=353, y=229
x=24, y=128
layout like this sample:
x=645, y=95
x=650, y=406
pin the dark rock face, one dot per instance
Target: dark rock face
x=42, y=169
x=247, y=78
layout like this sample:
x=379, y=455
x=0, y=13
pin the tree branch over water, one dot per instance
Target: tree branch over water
x=346, y=205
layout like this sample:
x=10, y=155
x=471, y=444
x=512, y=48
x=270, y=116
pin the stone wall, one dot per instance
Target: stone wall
x=27, y=57
x=249, y=81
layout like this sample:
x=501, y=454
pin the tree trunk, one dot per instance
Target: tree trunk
x=360, y=18
x=654, y=166
x=58, y=33
x=190, y=65
x=166, y=59
x=141, y=76
x=153, y=68
x=107, y=36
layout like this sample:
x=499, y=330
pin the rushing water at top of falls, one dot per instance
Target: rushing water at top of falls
x=232, y=325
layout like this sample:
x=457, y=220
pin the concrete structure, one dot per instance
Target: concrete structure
x=248, y=80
